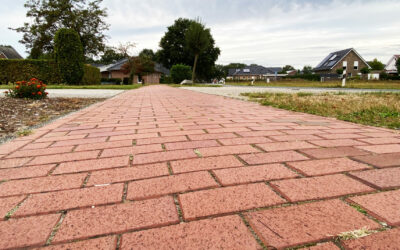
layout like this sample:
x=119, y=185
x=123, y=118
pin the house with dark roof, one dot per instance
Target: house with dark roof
x=251, y=72
x=347, y=59
x=390, y=67
x=8, y=52
x=115, y=70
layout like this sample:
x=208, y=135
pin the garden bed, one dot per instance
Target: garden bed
x=19, y=116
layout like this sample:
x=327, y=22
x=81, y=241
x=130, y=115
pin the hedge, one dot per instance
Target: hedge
x=309, y=77
x=91, y=75
x=111, y=80
x=13, y=70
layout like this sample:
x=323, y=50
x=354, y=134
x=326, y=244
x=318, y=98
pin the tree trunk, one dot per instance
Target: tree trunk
x=194, y=67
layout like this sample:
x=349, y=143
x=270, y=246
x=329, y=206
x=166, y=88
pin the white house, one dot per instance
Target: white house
x=391, y=65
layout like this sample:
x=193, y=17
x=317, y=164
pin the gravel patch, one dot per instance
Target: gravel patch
x=235, y=91
x=79, y=93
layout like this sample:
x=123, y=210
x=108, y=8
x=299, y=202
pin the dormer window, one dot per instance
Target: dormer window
x=246, y=70
x=333, y=57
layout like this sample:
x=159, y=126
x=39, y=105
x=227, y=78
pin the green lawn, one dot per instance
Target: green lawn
x=336, y=84
x=375, y=109
x=135, y=86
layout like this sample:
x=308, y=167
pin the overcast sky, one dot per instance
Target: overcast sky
x=266, y=32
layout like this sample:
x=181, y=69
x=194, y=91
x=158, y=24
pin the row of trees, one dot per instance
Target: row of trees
x=186, y=42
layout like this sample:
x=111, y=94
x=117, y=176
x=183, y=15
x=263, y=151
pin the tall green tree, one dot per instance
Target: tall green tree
x=174, y=50
x=197, y=40
x=307, y=69
x=287, y=68
x=69, y=56
x=110, y=55
x=148, y=53
x=376, y=65
x=86, y=17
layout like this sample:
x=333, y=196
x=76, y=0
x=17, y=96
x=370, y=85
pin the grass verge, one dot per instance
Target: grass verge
x=355, y=84
x=375, y=109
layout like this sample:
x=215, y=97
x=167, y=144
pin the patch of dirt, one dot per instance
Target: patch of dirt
x=19, y=115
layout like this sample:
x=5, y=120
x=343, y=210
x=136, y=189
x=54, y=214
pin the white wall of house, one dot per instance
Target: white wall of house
x=391, y=65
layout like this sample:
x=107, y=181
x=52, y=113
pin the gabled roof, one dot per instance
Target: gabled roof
x=9, y=52
x=334, y=58
x=254, y=70
x=119, y=64
x=391, y=65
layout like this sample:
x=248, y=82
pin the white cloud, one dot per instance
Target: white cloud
x=267, y=32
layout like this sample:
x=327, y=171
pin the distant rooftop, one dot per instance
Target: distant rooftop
x=9, y=52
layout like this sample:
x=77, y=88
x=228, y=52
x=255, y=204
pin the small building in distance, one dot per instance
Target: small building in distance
x=390, y=67
x=256, y=72
x=115, y=70
x=8, y=52
x=347, y=59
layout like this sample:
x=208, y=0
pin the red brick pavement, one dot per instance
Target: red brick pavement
x=161, y=167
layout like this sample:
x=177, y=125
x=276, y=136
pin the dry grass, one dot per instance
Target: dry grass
x=357, y=84
x=376, y=109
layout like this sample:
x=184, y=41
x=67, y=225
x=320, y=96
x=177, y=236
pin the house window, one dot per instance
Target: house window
x=356, y=65
x=344, y=65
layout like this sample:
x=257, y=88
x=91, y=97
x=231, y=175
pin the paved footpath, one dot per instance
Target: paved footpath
x=166, y=168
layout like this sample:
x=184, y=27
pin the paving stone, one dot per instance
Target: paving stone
x=379, y=134
x=79, y=142
x=39, y=145
x=380, y=178
x=282, y=146
x=38, y=152
x=103, y=243
x=155, y=187
x=89, y=222
x=46, y=159
x=41, y=184
x=321, y=153
x=164, y=156
x=25, y=172
x=90, y=131
x=385, y=206
x=382, y=149
x=208, y=163
x=11, y=146
x=212, y=136
x=342, y=136
x=321, y=187
x=307, y=223
x=327, y=166
x=383, y=240
x=12, y=163
x=259, y=133
x=294, y=137
x=227, y=150
x=234, y=176
x=182, y=132
x=104, y=145
x=241, y=141
x=127, y=174
x=161, y=140
x=384, y=140
x=272, y=157
x=6, y=204
x=88, y=165
x=31, y=231
x=337, y=143
x=227, y=130
x=133, y=137
x=65, y=200
x=324, y=246
x=219, y=233
x=131, y=150
x=191, y=144
x=227, y=200
x=381, y=161
x=61, y=138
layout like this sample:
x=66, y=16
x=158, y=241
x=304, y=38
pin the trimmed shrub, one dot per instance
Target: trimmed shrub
x=68, y=51
x=166, y=79
x=384, y=76
x=33, y=89
x=13, y=70
x=91, y=75
x=180, y=72
x=112, y=80
x=125, y=81
x=309, y=77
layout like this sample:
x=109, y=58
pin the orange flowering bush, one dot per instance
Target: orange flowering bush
x=33, y=89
